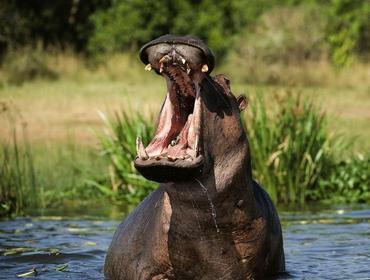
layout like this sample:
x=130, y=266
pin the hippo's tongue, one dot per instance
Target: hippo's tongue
x=179, y=145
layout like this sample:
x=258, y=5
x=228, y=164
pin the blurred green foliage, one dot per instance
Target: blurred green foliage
x=26, y=65
x=348, y=29
x=99, y=26
x=128, y=24
x=346, y=181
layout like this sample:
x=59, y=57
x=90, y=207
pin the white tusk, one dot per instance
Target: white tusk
x=196, y=145
x=141, y=152
x=164, y=58
x=205, y=68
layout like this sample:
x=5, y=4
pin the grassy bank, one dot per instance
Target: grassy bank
x=47, y=175
x=62, y=121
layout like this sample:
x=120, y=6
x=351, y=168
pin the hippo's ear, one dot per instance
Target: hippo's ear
x=242, y=102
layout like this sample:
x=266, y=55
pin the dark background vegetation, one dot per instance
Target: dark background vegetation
x=97, y=26
x=290, y=52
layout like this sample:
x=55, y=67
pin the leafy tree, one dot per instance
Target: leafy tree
x=130, y=23
x=59, y=22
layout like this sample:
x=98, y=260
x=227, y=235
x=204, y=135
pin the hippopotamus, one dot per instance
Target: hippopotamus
x=208, y=219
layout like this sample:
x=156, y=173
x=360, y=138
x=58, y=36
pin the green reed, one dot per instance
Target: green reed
x=291, y=146
x=119, y=146
x=18, y=186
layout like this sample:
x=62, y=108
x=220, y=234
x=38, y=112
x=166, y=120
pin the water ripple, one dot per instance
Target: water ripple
x=325, y=244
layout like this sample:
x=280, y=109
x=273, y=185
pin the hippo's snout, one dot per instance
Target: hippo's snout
x=175, y=152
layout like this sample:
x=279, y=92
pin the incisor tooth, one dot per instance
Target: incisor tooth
x=148, y=67
x=140, y=149
x=205, y=68
x=183, y=60
x=170, y=158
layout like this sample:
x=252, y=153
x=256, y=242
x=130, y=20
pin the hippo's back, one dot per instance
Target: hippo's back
x=276, y=253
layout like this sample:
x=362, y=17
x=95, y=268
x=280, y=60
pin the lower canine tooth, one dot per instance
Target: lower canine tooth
x=161, y=68
x=140, y=149
x=205, y=68
x=192, y=154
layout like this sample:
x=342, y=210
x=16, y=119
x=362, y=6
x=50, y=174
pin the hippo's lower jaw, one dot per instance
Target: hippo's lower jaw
x=167, y=171
x=174, y=153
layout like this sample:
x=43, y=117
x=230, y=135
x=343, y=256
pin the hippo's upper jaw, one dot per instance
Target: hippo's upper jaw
x=175, y=152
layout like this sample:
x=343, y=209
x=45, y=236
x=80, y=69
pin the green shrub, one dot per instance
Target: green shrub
x=275, y=49
x=287, y=35
x=348, y=29
x=347, y=181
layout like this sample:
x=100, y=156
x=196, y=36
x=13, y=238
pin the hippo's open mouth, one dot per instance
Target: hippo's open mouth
x=175, y=152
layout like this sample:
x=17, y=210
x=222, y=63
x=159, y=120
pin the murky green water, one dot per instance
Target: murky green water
x=322, y=244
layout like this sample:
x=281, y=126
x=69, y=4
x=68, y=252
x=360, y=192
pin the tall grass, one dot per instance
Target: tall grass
x=290, y=147
x=18, y=185
x=119, y=146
